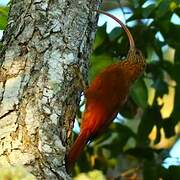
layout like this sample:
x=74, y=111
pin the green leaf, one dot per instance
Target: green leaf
x=161, y=87
x=150, y=118
x=4, y=10
x=174, y=172
x=173, y=41
x=129, y=109
x=150, y=171
x=3, y=22
x=3, y=17
x=115, y=34
x=148, y=10
x=157, y=45
x=139, y=93
x=98, y=63
x=142, y=152
x=168, y=125
x=101, y=35
x=163, y=8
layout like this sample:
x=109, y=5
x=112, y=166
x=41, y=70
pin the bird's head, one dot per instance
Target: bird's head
x=135, y=62
x=136, y=57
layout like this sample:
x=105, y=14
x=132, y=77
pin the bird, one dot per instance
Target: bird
x=106, y=95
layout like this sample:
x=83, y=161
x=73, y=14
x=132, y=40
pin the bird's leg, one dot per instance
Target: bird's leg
x=82, y=83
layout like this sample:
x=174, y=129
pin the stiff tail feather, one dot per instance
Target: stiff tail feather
x=76, y=149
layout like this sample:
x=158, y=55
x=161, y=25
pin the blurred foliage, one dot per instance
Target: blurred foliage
x=92, y=175
x=128, y=149
x=15, y=173
x=3, y=17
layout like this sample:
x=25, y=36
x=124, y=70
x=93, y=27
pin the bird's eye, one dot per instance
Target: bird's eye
x=138, y=53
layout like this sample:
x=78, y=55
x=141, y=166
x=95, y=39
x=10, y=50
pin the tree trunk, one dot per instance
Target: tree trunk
x=46, y=46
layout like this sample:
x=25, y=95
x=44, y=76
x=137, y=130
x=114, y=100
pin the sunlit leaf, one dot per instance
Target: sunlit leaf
x=3, y=17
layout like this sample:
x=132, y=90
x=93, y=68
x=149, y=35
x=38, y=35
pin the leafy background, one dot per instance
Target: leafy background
x=137, y=143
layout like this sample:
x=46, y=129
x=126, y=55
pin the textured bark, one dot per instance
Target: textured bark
x=45, y=47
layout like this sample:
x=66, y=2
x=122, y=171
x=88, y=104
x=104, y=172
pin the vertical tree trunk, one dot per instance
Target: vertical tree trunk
x=45, y=47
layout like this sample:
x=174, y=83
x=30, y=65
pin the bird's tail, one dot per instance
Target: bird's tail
x=76, y=149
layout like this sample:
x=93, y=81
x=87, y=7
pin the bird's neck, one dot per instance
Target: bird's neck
x=132, y=70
